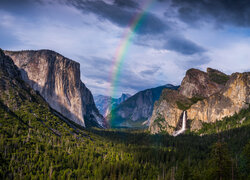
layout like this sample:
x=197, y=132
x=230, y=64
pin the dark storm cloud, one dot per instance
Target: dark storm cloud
x=15, y=5
x=14, y=2
x=120, y=13
x=127, y=3
x=234, y=12
x=183, y=46
x=123, y=12
x=22, y=8
x=150, y=24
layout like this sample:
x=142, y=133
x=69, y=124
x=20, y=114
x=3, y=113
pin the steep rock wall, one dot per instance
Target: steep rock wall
x=58, y=80
x=231, y=99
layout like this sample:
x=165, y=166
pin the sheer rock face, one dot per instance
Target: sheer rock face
x=58, y=81
x=166, y=114
x=223, y=96
x=143, y=107
x=198, y=83
x=231, y=99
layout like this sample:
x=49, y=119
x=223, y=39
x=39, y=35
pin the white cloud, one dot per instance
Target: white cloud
x=232, y=58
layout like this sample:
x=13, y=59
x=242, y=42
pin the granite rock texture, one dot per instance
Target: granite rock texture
x=57, y=79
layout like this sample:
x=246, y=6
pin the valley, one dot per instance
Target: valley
x=40, y=140
x=124, y=90
x=31, y=150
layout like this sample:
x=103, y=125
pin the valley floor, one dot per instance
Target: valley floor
x=33, y=149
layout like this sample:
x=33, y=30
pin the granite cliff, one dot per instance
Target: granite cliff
x=230, y=100
x=166, y=113
x=206, y=96
x=198, y=83
x=25, y=114
x=57, y=79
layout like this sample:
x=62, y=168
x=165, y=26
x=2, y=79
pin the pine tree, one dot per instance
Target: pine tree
x=219, y=164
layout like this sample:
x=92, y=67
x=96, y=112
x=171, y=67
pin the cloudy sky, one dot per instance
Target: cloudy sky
x=173, y=36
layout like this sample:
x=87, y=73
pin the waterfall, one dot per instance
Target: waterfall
x=183, y=128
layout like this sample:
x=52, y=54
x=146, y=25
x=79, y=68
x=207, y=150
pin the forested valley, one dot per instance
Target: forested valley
x=52, y=148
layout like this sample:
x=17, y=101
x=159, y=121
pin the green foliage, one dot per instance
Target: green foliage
x=219, y=162
x=219, y=78
x=138, y=124
x=37, y=144
x=237, y=120
x=182, y=105
x=34, y=151
x=186, y=104
x=246, y=160
x=195, y=99
x=158, y=121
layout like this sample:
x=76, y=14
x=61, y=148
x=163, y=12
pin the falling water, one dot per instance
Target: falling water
x=183, y=128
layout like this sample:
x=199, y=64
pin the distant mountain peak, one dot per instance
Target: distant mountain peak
x=169, y=85
x=104, y=103
x=125, y=94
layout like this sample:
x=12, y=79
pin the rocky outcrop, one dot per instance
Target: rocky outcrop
x=136, y=109
x=195, y=125
x=231, y=99
x=58, y=80
x=198, y=83
x=103, y=103
x=217, y=76
x=166, y=114
x=206, y=97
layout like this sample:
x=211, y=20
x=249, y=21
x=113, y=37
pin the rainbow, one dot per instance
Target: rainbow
x=123, y=47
